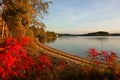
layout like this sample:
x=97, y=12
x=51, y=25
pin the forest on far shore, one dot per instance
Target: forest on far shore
x=99, y=33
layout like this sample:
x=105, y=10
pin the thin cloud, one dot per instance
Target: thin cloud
x=83, y=14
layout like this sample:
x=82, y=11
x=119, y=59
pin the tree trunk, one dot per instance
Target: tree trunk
x=4, y=30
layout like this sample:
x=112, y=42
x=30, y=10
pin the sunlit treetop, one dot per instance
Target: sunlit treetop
x=19, y=14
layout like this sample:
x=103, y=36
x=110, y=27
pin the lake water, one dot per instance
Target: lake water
x=80, y=45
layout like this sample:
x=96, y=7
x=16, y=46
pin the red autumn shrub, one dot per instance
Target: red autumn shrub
x=15, y=61
x=107, y=57
x=25, y=40
x=61, y=65
x=42, y=62
x=93, y=53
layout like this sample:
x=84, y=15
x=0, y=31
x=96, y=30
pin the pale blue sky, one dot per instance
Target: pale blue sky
x=83, y=16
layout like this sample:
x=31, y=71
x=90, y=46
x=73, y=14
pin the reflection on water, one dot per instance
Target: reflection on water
x=100, y=39
x=51, y=40
x=80, y=45
x=47, y=40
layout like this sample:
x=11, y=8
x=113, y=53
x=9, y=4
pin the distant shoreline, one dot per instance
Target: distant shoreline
x=99, y=33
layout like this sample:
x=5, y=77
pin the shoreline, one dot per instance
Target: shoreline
x=62, y=55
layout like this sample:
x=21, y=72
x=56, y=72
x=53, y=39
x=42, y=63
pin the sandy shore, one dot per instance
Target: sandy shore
x=61, y=54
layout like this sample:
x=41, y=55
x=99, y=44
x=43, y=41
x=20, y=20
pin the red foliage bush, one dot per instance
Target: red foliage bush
x=42, y=62
x=15, y=61
x=93, y=53
x=108, y=57
x=61, y=65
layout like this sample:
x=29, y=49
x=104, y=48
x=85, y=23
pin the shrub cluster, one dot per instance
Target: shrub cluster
x=16, y=62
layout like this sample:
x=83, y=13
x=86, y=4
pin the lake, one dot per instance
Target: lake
x=80, y=45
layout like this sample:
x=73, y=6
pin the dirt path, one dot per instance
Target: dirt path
x=63, y=55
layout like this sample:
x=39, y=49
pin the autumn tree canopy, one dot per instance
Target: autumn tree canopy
x=18, y=15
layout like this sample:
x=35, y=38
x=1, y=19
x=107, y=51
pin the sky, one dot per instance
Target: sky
x=83, y=16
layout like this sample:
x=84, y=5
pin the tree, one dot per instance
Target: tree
x=36, y=27
x=19, y=14
x=42, y=36
x=51, y=34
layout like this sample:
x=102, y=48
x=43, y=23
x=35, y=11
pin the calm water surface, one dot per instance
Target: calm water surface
x=80, y=45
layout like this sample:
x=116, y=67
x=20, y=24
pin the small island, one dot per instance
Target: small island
x=99, y=33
